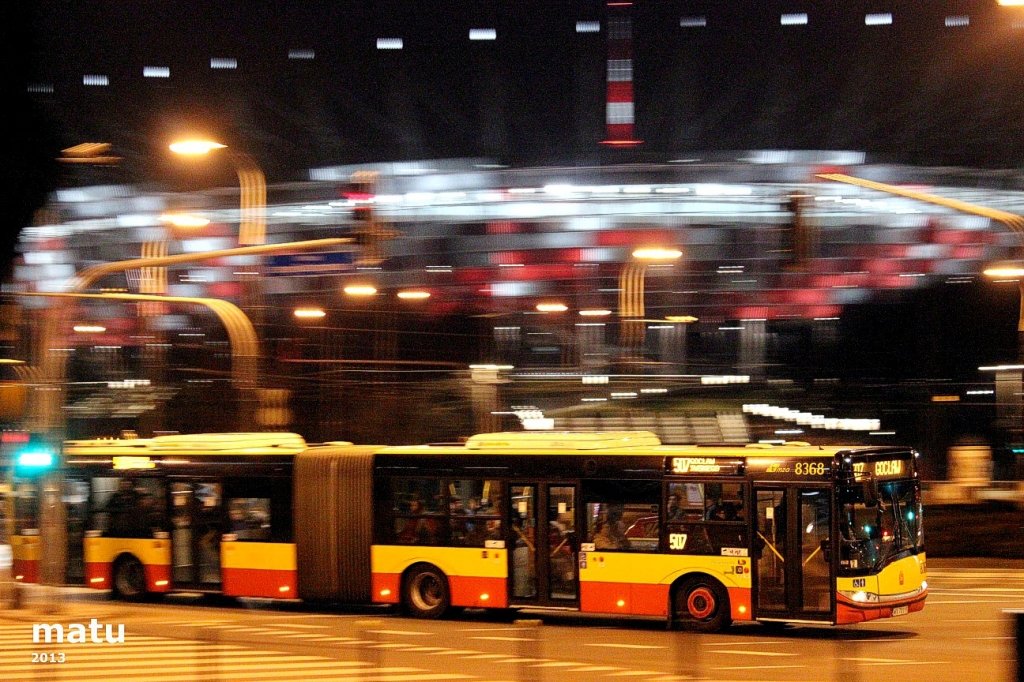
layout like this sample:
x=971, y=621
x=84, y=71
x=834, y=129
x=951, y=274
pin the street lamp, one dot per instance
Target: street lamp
x=252, y=228
x=631, y=292
x=1010, y=272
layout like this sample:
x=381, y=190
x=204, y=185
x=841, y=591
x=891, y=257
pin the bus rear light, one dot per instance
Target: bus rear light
x=742, y=609
x=385, y=593
x=484, y=597
x=19, y=577
x=92, y=580
x=621, y=603
x=284, y=588
x=159, y=583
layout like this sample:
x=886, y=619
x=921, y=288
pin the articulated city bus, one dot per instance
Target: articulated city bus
x=604, y=523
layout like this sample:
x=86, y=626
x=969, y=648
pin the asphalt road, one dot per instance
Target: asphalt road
x=963, y=634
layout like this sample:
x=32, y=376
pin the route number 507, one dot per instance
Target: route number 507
x=677, y=540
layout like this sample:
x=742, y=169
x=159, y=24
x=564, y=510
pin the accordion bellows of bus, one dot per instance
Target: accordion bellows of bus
x=604, y=522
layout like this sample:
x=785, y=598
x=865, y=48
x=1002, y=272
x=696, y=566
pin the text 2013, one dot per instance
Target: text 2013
x=47, y=657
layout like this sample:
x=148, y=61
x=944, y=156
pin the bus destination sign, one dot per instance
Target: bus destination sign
x=887, y=468
x=704, y=465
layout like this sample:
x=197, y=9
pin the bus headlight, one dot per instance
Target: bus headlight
x=860, y=596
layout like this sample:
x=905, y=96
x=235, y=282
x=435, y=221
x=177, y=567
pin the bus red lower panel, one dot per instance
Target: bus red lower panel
x=26, y=570
x=847, y=612
x=478, y=592
x=739, y=602
x=259, y=582
x=632, y=598
x=384, y=588
x=158, y=577
x=98, y=574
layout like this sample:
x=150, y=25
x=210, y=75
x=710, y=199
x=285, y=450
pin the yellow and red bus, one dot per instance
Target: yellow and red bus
x=605, y=523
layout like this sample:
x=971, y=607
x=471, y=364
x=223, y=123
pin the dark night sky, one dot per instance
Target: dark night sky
x=916, y=91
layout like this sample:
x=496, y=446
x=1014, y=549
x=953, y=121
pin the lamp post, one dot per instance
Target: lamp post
x=252, y=228
x=632, y=323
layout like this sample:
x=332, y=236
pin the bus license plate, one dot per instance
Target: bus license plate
x=900, y=610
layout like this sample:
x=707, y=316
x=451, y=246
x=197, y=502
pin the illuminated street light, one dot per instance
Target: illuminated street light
x=631, y=292
x=1010, y=271
x=657, y=253
x=184, y=220
x=305, y=313
x=595, y=313
x=195, y=147
x=413, y=295
x=89, y=328
x=680, y=318
x=252, y=183
x=1011, y=3
x=360, y=290
x=552, y=307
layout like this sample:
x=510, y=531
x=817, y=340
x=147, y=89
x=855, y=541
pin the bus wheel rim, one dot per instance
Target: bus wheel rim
x=426, y=591
x=700, y=603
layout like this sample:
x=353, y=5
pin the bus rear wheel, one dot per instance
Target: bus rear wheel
x=702, y=605
x=129, y=579
x=425, y=592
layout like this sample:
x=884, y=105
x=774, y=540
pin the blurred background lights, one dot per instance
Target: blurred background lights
x=309, y=313
x=184, y=220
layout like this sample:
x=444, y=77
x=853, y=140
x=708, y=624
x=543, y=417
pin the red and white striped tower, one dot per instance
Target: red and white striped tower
x=619, y=101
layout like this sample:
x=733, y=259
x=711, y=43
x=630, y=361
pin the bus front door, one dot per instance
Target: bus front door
x=544, y=545
x=196, y=521
x=793, y=554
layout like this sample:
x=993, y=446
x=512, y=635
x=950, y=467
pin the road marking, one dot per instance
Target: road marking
x=417, y=633
x=758, y=667
x=770, y=642
x=979, y=638
x=520, y=660
x=454, y=652
x=489, y=629
x=753, y=653
x=626, y=646
x=555, y=664
x=973, y=620
x=507, y=639
x=295, y=625
x=481, y=656
x=634, y=673
x=911, y=663
x=595, y=669
x=252, y=669
x=867, y=659
x=427, y=648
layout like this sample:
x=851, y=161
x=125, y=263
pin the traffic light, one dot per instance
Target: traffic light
x=30, y=453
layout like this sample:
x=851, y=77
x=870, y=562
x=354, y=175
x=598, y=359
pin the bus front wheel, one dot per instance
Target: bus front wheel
x=702, y=605
x=425, y=592
x=129, y=579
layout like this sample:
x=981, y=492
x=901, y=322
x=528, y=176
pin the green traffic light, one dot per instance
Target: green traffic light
x=35, y=460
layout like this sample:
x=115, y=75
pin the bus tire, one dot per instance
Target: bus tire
x=129, y=581
x=425, y=592
x=701, y=604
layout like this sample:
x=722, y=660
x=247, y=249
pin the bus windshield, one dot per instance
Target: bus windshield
x=874, y=535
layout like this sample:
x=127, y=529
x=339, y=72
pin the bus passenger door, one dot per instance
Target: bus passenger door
x=544, y=544
x=793, y=553
x=197, y=521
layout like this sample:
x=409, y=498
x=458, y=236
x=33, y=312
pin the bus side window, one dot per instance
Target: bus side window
x=623, y=516
x=418, y=508
x=250, y=517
